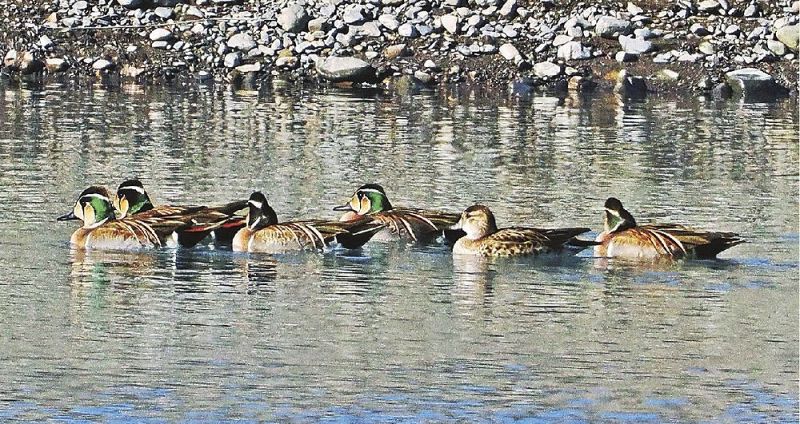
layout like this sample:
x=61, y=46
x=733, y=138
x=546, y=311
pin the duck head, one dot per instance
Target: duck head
x=477, y=221
x=132, y=199
x=368, y=199
x=259, y=213
x=93, y=207
x=615, y=217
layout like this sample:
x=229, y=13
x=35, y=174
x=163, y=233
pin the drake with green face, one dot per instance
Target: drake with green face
x=623, y=237
x=132, y=199
x=93, y=207
x=416, y=225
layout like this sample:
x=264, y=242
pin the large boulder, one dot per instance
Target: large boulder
x=754, y=84
x=293, y=18
x=341, y=69
x=610, y=27
x=788, y=35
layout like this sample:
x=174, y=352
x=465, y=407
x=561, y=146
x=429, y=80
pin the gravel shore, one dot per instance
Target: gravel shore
x=719, y=47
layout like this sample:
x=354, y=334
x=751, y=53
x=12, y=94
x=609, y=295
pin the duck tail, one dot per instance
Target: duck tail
x=359, y=232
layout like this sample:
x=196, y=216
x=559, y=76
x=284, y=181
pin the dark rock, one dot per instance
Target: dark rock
x=754, y=84
x=340, y=69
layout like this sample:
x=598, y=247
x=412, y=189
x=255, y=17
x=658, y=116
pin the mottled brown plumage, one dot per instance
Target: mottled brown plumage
x=484, y=238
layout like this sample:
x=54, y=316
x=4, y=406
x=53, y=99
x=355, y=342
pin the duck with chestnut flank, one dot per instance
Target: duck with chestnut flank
x=417, y=225
x=263, y=233
x=623, y=237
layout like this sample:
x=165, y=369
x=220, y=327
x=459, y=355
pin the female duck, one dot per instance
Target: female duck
x=417, y=225
x=622, y=237
x=483, y=238
x=264, y=234
x=101, y=229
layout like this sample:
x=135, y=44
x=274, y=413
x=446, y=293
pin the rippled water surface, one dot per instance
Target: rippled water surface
x=393, y=332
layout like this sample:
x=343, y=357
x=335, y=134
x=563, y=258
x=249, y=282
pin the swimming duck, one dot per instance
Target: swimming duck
x=418, y=225
x=484, y=238
x=132, y=200
x=623, y=237
x=264, y=233
x=102, y=230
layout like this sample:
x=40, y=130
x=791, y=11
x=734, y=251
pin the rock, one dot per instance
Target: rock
x=293, y=18
x=645, y=33
x=623, y=57
x=668, y=75
x=561, y=39
x=630, y=86
x=80, y=5
x=340, y=69
x=248, y=68
x=634, y=9
x=395, y=51
x=546, y=69
x=163, y=12
x=56, y=64
x=102, y=64
x=508, y=51
x=160, y=34
x=751, y=11
x=160, y=44
x=318, y=24
x=130, y=4
x=733, y=29
x=450, y=23
x=10, y=59
x=45, y=41
x=424, y=29
x=580, y=84
x=776, y=47
x=788, y=35
x=635, y=45
x=353, y=15
x=706, y=47
x=424, y=77
x=370, y=29
x=407, y=30
x=192, y=12
x=509, y=9
x=708, y=6
x=699, y=30
x=721, y=91
x=130, y=71
x=610, y=27
x=287, y=62
x=574, y=50
x=232, y=60
x=242, y=41
x=431, y=65
x=754, y=83
x=389, y=22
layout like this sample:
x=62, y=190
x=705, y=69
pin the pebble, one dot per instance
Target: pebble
x=450, y=23
x=389, y=22
x=610, y=27
x=242, y=41
x=546, y=69
x=508, y=51
x=574, y=50
x=163, y=12
x=408, y=30
x=635, y=45
x=102, y=64
x=341, y=69
x=561, y=39
x=160, y=34
x=233, y=59
x=293, y=18
x=788, y=35
x=396, y=50
x=623, y=57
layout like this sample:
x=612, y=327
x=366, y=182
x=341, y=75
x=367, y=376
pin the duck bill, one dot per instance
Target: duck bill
x=67, y=217
x=457, y=225
x=345, y=208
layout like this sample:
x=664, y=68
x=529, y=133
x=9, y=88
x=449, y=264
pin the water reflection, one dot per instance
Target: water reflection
x=395, y=332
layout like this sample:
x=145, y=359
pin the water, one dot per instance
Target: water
x=399, y=333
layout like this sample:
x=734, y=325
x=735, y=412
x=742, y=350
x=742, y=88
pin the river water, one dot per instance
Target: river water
x=393, y=332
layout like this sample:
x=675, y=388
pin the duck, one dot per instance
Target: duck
x=485, y=239
x=132, y=200
x=265, y=234
x=102, y=230
x=411, y=224
x=623, y=237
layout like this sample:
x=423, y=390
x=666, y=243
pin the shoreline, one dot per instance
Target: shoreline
x=710, y=47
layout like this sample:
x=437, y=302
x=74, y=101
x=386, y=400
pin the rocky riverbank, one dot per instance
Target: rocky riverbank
x=716, y=46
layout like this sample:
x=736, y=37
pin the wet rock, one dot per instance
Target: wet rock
x=102, y=64
x=721, y=91
x=232, y=60
x=242, y=41
x=450, y=23
x=395, y=51
x=130, y=4
x=610, y=27
x=546, y=69
x=293, y=18
x=635, y=45
x=160, y=34
x=424, y=77
x=754, y=83
x=629, y=85
x=56, y=64
x=339, y=69
x=788, y=35
x=574, y=50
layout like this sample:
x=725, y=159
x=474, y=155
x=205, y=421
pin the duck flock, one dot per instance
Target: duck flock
x=130, y=221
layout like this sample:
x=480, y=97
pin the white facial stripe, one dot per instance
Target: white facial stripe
x=370, y=190
x=613, y=212
x=256, y=204
x=255, y=223
x=97, y=196
x=131, y=187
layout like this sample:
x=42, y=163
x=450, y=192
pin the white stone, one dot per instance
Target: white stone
x=508, y=51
